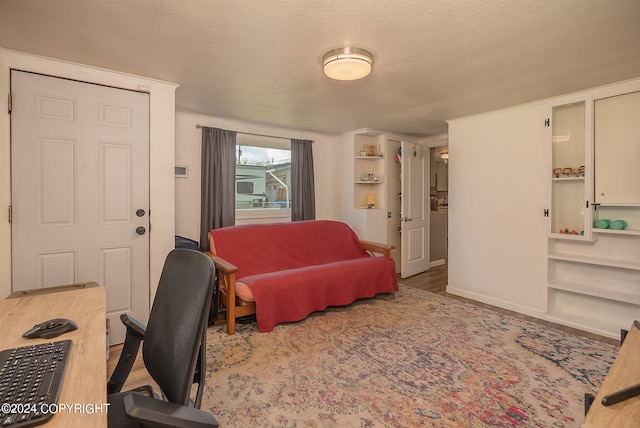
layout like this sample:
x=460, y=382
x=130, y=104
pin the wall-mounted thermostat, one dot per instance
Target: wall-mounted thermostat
x=181, y=170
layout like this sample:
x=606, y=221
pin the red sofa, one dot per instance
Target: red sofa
x=282, y=272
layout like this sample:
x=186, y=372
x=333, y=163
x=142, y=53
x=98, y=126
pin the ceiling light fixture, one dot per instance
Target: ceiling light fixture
x=444, y=156
x=347, y=63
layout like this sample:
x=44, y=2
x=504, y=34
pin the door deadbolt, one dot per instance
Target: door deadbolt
x=140, y=230
x=140, y=212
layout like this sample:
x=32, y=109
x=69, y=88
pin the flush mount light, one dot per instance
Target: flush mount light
x=347, y=63
x=445, y=157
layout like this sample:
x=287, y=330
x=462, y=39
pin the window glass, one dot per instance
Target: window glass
x=263, y=173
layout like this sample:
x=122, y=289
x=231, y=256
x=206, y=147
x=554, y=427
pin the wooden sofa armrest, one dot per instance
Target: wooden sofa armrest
x=224, y=266
x=375, y=247
x=228, y=296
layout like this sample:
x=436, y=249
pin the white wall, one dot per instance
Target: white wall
x=497, y=230
x=162, y=132
x=188, y=149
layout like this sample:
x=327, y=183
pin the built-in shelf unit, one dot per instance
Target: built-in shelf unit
x=594, y=269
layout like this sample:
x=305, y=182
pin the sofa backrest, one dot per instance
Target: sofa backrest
x=263, y=248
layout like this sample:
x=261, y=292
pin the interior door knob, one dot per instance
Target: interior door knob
x=140, y=230
x=140, y=212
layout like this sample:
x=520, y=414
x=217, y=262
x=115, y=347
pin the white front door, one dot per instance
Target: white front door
x=80, y=190
x=414, y=257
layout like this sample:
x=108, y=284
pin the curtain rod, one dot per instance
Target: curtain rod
x=258, y=135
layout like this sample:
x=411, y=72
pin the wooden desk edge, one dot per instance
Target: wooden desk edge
x=87, y=361
x=624, y=372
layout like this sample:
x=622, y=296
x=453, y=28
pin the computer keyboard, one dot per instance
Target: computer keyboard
x=30, y=381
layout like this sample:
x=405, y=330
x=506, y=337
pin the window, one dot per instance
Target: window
x=263, y=173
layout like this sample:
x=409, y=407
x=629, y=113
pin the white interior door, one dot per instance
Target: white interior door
x=414, y=257
x=80, y=190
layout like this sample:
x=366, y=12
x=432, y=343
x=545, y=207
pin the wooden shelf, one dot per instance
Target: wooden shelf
x=630, y=232
x=624, y=264
x=568, y=236
x=567, y=178
x=617, y=296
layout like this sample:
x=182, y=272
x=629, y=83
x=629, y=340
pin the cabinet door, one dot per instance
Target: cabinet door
x=617, y=149
x=570, y=139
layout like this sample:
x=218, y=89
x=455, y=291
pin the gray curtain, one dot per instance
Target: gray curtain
x=218, y=181
x=303, y=195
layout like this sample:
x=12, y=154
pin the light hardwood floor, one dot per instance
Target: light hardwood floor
x=434, y=280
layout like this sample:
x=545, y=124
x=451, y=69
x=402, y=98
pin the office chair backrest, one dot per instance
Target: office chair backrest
x=178, y=321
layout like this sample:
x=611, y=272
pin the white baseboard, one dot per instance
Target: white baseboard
x=497, y=302
x=435, y=263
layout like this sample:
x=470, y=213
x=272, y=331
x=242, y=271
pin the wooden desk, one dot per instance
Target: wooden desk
x=624, y=372
x=84, y=381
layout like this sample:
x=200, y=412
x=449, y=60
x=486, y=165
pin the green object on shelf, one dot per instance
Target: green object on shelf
x=618, y=224
x=602, y=224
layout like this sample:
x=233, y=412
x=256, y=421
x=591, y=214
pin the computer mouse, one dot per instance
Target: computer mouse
x=51, y=328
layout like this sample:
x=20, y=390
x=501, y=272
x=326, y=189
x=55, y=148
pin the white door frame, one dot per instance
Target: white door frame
x=162, y=156
x=91, y=142
x=415, y=221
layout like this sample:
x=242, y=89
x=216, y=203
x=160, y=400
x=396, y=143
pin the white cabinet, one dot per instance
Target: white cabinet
x=617, y=156
x=593, y=279
x=570, y=139
x=617, y=150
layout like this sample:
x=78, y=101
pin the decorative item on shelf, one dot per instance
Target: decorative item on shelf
x=581, y=171
x=602, y=224
x=372, y=150
x=371, y=201
x=571, y=232
x=363, y=153
x=576, y=171
x=364, y=176
x=618, y=225
x=557, y=172
x=376, y=178
x=567, y=171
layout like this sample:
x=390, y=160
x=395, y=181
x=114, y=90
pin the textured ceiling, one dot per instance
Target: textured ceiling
x=259, y=60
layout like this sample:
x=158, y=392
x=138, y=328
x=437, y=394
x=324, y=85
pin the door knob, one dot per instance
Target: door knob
x=140, y=230
x=140, y=212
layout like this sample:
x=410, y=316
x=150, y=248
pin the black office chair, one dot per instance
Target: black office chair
x=173, y=349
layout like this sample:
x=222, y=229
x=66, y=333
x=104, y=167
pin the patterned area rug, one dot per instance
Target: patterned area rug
x=408, y=359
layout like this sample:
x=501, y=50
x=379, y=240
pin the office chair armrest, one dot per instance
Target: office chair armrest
x=135, y=335
x=133, y=326
x=155, y=413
